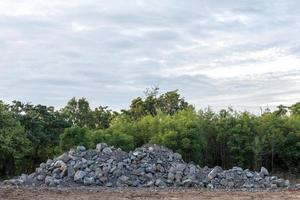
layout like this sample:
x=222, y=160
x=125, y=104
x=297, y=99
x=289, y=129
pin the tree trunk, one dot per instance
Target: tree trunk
x=34, y=158
x=272, y=159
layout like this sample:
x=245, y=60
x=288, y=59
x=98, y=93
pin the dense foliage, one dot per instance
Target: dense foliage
x=29, y=134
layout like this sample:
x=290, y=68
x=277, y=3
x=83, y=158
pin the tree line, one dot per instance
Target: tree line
x=30, y=134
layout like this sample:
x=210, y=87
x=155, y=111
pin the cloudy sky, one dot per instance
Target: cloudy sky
x=216, y=52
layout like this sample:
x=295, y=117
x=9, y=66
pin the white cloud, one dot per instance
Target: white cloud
x=216, y=52
x=79, y=27
x=282, y=64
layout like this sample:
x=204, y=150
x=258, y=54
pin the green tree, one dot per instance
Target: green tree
x=137, y=109
x=181, y=133
x=208, y=121
x=168, y=103
x=79, y=113
x=281, y=110
x=171, y=102
x=103, y=116
x=271, y=131
x=29, y=134
x=42, y=127
x=241, y=141
x=14, y=145
x=295, y=109
x=73, y=137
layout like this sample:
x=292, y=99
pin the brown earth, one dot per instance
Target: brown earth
x=14, y=193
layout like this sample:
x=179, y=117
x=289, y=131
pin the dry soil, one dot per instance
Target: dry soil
x=14, y=193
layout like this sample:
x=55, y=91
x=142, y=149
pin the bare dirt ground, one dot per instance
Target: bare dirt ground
x=14, y=193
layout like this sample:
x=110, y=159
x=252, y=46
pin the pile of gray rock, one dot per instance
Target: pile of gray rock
x=147, y=166
x=239, y=178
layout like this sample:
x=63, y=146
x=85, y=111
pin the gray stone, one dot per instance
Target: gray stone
x=150, y=184
x=79, y=175
x=213, y=173
x=172, y=170
x=136, y=183
x=100, y=147
x=224, y=182
x=71, y=172
x=177, y=156
x=80, y=148
x=49, y=181
x=124, y=179
x=89, y=181
x=187, y=182
x=103, y=178
x=49, y=162
x=279, y=182
x=151, y=149
x=64, y=157
x=150, y=169
x=192, y=169
x=40, y=170
x=178, y=177
x=149, y=175
x=109, y=184
x=286, y=183
x=112, y=169
x=26, y=179
x=272, y=178
x=147, y=166
x=160, y=183
x=248, y=185
x=107, y=150
x=230, y=184
x=33, y=175
x=40, y=177
x=42, y=165
x=171, y=176
x=273, y=186
x=237, y=169
x=263, y=172
x=15, y=182
x=160, y=168
x=56, y=171
x=180, y=167
x=249, y=174
x=257, y=178
x=62, y=167
x=64, y=172
x=57, y=181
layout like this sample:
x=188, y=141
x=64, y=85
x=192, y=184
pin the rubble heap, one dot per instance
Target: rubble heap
x=147, y=166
